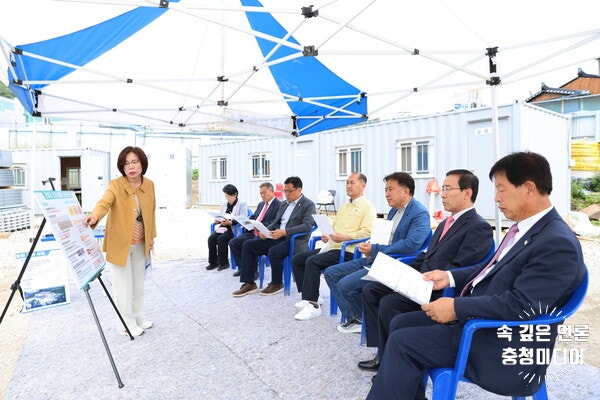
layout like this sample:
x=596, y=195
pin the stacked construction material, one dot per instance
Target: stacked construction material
x=14, y=215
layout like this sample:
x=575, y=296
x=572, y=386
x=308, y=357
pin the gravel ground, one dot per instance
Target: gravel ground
x=207, y=344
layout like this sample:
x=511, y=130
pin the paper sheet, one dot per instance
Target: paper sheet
x=217, y=216
x=261, y=228
x=381, y=231
x=324, y=224
x=244, y=221
x=401, y=278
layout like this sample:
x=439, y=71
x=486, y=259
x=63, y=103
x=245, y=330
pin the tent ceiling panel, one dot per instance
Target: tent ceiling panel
x=198, y=65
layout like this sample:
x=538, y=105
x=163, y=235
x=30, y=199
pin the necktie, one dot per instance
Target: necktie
x=263, y=212
x=261, y=216
x=507, y=239
x=447, y=225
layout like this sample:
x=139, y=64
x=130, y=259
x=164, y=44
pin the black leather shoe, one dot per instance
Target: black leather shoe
x=223, y=266
x=369, y=365
x=373, y=378
x=210, y=267
x=237, y=273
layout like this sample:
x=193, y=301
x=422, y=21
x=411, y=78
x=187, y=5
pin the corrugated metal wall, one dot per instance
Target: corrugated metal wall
x=461, y=140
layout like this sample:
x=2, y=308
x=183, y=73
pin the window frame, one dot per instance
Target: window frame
x=422, y=164
x=350, y=158
x=218, y=168
x=260, y=165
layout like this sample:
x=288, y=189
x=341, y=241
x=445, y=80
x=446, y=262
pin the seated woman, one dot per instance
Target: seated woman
x=217, y=242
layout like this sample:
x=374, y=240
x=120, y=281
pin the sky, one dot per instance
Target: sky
x=368, y=43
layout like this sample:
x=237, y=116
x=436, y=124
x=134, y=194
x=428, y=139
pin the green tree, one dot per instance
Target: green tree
x=5, y=92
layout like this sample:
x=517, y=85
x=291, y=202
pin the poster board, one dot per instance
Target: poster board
x=77, y=242
x=45, y=282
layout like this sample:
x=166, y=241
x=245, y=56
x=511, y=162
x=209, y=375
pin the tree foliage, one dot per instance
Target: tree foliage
x=5, y=92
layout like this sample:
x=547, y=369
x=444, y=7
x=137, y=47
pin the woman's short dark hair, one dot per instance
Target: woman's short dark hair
x=525, y=166
x=230, y=190
x=403, y=179
x=140, y=155
x=466, y=180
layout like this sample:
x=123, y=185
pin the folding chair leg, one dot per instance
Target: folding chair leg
x=287, y=276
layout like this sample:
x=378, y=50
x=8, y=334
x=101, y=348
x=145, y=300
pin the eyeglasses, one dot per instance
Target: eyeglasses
x=134, y=162
x=448, y=188
x=290, y=190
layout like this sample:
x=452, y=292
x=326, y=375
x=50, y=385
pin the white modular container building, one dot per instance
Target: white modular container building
x=426, y=146
x=84, y=171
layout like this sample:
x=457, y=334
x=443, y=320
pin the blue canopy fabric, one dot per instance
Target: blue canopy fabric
x=77, y=48
x=318, y=98
x=307, y=77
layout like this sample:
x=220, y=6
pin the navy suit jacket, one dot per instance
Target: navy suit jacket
x=411, y=232
x=466, y=243
x=539, y=272
x=271, y=211
x=301, y=220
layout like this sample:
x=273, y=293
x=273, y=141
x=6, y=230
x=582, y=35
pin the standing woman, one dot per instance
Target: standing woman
x=218, y=251
x=129, y=236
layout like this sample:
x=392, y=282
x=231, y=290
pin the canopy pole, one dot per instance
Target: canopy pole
x=494, y=82
x=32, y=180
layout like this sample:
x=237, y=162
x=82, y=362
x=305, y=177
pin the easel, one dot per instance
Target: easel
x=17, y=286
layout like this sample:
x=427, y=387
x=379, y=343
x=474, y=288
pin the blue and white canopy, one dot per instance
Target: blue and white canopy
x=287, y=67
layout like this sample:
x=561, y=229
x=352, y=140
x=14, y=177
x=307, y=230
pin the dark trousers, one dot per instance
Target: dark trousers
x=218, y=252
x=416, y=343
x=307, y=267
x=277, y=251
x=235, y=246
x=381, y=304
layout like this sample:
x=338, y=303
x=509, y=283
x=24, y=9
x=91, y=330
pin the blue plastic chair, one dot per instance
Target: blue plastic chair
x=333, y=307
x=407, y=258
x=237, y=230
x=449, y=292
x=263, y=262
x=445, y=380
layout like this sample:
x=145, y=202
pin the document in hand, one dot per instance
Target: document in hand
x=381, y=231
x=324, y=224
x=261, y=228
x=244, y=221
x=217, y=215
x=401, y=278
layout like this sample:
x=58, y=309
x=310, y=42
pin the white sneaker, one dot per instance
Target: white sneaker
x=137, y=331
x=354, y=326
x=146, y=324
x=303, y=303
x=309, y=312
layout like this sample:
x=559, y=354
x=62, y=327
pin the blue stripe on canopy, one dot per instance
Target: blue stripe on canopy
x=77, y=48
x=306, y=77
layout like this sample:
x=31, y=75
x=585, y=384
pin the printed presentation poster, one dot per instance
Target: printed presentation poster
x=77, y=242
x=45, y=281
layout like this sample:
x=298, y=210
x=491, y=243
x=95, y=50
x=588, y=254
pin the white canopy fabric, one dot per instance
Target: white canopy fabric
x=202, y=57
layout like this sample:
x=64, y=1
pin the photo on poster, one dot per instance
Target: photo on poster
x=45, y=281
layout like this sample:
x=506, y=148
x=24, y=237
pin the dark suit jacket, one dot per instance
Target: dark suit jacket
x=301, y=220
x=271, y=211
x=539, y=272
x=411, y=232
x=467, y=242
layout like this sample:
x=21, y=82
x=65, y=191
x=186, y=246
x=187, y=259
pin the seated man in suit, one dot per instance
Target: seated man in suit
x=539, y=264
x=463, y=239
x=411, y=228
x=294, y=216
x=354, y=220
x=265, y=213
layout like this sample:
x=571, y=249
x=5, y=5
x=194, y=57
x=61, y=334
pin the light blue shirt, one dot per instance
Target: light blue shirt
x=288, y=212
